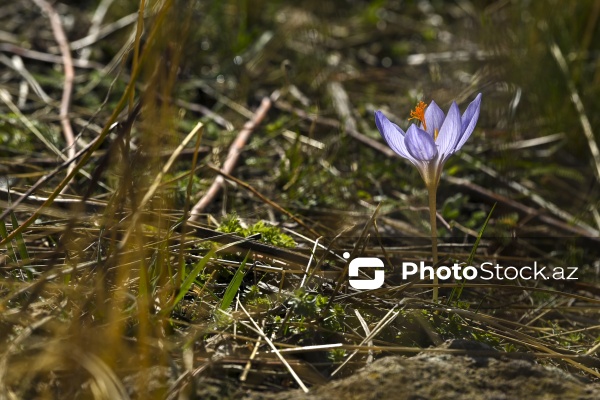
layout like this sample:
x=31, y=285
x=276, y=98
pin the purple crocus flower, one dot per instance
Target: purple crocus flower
x=429, y=145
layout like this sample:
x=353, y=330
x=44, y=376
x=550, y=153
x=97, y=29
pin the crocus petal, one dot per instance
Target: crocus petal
x=420, y=144
x=450, y=133
x=469, y=120
x=398, y=128
x=434, y=118
x=392, y=134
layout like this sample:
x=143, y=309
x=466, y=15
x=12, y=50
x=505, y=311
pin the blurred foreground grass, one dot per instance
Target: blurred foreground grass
x=107, y=291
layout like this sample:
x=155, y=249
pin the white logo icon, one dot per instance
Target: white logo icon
x=365, y=262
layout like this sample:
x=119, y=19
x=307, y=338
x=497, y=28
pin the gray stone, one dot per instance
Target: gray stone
x=486, y=374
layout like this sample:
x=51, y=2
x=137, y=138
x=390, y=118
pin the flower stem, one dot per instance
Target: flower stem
x=433, y=222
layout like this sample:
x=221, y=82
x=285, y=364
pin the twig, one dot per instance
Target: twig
x=5, y=97
x=232, y=158
x=45, y=57
x=63, y=44
x=244, y=375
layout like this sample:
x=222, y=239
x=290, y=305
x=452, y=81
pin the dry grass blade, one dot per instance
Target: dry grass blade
x=157, y=180
x=97, y=33
x=94, y=29
x=386, y=320
x=106, y=385
x=5, y=96
x=365, y=327
x=17, y=64
x=45, y=57
x=275, y=350
x=308, y=272
x=576, y=99
x=341, y=102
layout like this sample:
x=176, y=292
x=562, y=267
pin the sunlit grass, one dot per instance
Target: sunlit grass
x=107, y=290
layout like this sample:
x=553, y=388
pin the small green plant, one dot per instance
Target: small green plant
x=268, y=234
x=308, y=306
x=254, y=298
x=337, y=355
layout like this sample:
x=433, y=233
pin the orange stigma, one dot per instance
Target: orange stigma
x=419, y=113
